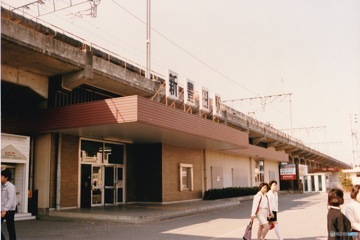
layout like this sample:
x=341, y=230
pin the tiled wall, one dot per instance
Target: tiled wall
x=171, y=158
x=69, y=171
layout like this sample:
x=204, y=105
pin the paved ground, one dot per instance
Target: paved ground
x=301, y=216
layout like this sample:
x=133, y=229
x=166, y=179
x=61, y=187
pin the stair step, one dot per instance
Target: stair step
x=24, y=216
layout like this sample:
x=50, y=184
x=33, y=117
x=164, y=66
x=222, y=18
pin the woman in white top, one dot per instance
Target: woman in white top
x=261, y=210
x=274, y=204
x=352, y=210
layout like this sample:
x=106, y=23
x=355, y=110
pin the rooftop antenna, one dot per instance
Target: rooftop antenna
x=354, y=138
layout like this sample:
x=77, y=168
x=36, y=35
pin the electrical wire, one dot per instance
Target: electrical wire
x=186, y=51
x=32, y=14
x=157, y=32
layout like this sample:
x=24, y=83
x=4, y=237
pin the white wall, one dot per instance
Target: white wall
x=21, y=188
x=18, y=148
x=236, y=171
x=353, y=175
x=233, y=168
x=273, y=167
x=325, y=184
x=355, y=180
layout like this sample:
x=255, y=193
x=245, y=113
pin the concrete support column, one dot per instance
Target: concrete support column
x=42, y=171
x=58, y=174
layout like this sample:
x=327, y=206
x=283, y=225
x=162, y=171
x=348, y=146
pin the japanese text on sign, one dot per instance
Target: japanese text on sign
x=288, y=172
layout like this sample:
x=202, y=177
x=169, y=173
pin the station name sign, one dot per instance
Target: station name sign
x=288, y=172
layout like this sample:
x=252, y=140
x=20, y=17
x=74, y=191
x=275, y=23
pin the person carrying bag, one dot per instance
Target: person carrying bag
x=261, y=210
x=247, y=234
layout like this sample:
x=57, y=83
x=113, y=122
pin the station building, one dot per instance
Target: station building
x=91, y=130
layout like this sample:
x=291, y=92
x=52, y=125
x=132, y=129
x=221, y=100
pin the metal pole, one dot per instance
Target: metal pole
x=148, y=33
x=326, y=144
x=291, y=121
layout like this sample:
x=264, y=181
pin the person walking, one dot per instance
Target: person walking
x=261, y=210
x=8, y=203
x=301, y=186
x=352, y=210
x=337, y=223
x=274, y=205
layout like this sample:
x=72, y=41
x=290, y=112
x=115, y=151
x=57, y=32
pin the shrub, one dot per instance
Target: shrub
x=345, y=180
x=230, y=192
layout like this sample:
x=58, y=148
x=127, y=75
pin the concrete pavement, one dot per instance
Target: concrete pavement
x=301, y=216
x=141, y=213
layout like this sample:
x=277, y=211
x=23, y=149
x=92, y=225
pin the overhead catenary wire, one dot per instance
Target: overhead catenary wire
x=186, y=51
x=167, y=39
x=111, y=39
x=160, y=34
x=191, y=54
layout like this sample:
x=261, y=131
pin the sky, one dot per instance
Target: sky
x=305, y=54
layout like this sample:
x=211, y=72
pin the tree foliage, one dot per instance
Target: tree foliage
x=345, y=181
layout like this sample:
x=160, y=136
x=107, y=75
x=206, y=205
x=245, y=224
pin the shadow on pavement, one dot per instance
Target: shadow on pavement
x=202, y=226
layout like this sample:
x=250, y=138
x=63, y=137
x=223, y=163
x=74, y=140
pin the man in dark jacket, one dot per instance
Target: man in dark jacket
x=339, y=227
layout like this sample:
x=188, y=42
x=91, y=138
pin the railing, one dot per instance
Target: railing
x=75, y=40
x=234, y=116
x=252, y=124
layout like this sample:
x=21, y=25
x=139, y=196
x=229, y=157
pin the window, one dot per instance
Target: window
x=313, y=183
x=320, y=182
x=91, y=151
x=100, y=152
x=186, y=177
x=259, y=170
x=114, y=153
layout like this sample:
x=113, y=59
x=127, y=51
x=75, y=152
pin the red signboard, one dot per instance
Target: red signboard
x=288, y=172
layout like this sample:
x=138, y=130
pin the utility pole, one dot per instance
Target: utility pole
x=148, y=38
x=354, y=138
x=291, y=120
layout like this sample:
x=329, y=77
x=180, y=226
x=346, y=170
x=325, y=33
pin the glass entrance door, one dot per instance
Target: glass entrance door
x=109, y=185
x=113, y=185
x=120, y=184
x=97, y=186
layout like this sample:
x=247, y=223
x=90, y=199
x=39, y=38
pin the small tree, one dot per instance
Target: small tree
x=345, y=181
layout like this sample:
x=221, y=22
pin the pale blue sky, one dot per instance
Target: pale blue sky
x=310, y=48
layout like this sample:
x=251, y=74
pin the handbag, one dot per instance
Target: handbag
x=248, y=230
x=271, y=225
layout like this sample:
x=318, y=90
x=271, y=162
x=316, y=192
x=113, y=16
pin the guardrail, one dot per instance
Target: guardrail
x=235, y=117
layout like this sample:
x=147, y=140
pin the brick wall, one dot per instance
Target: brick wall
x=69, y=171
x=171, y=158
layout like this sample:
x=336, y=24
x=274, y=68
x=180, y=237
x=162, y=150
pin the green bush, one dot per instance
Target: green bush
x=230, y=192
x=345, y=181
